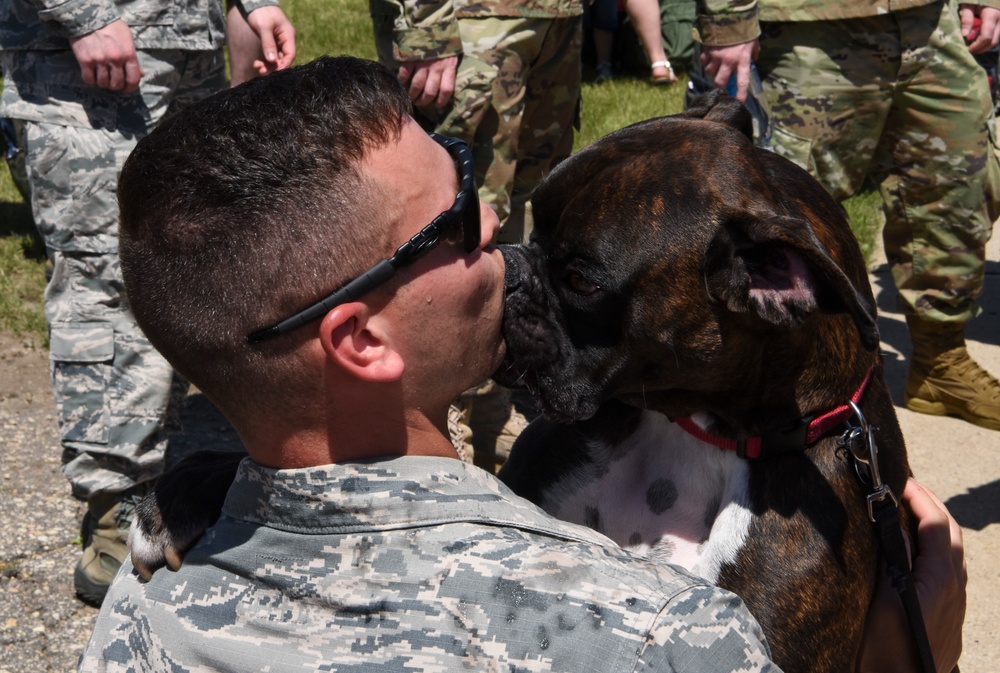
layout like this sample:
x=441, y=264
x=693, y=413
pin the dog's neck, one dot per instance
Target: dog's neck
x=762, y=395
x=797, y=435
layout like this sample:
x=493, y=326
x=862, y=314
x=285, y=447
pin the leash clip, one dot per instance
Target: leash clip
x=860, y=441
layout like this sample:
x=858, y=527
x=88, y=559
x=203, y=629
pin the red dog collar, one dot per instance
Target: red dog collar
x=804, y=433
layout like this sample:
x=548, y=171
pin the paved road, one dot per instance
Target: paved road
x=959, y=461
x=44, y=628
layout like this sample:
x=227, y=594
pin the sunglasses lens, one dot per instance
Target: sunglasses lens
x=472, y=226
x=464, y=223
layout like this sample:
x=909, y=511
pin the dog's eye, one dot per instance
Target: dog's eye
x=581, y=284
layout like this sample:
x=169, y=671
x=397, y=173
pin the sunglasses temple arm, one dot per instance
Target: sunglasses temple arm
x=375, y=276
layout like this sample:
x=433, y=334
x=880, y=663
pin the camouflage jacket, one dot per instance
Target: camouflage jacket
x=726, y=22
x=192, y=25
x=412, y=564
x=426, y=29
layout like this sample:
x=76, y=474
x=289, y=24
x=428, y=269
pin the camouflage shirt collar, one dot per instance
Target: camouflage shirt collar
x=387, y=494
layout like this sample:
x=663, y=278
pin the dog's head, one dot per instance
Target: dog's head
x=672, y=264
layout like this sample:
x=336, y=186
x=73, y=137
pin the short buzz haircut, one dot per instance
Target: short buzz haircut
x=248, y=205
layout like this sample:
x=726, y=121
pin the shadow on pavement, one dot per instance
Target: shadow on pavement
x=976, y=508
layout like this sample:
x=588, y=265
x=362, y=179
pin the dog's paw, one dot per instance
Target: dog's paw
x=150, y=544
x=186, y=501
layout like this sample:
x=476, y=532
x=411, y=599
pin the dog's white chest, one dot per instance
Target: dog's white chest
x=663, y=494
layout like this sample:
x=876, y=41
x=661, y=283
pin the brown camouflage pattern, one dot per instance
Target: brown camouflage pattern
x=727, y=22
x=516, y=102
x=897, y=99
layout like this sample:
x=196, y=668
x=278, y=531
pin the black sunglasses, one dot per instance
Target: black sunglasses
x=462, y=216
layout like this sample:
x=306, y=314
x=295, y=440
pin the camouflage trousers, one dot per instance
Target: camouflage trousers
x=897, y=99
x=516, y=102
x=114, y=393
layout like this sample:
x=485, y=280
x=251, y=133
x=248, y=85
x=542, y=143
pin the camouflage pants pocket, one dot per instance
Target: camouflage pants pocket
x=795, y=148
x=81, y=358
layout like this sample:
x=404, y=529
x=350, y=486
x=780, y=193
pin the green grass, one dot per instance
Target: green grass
x=611, y=105
x=330, y=27
x=343, y=27
x=864, y=212
x=22, y=264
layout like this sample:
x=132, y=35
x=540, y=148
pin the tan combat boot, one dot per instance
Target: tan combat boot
x=945, y=380
x=105, y=532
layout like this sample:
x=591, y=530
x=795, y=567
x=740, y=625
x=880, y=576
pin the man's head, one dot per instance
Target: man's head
x=255, y=203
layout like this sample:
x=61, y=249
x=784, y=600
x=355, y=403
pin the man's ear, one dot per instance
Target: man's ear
x=360, y=344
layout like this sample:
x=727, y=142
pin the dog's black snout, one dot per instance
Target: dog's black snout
x=512, y=258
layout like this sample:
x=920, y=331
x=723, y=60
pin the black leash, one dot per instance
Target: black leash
x=883, y=511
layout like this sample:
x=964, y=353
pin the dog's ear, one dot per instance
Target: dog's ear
x=776, y=268
x=718, y=106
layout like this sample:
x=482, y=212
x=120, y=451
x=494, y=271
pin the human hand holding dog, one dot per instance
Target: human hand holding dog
x=939, y=574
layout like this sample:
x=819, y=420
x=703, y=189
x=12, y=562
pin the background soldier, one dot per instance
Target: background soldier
x=868, y=90
x=88, y=79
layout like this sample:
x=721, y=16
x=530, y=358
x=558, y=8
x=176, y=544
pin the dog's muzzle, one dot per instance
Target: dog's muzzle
x=512, y=261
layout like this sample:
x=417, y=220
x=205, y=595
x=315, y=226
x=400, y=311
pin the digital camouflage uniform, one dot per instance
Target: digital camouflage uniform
x=112, y=390
x=886, y=90
x=412, y=564
x=517, y=89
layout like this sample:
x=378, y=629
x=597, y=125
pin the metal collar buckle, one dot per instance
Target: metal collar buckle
x=860, y=441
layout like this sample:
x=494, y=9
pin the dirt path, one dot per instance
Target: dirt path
x=44, y=628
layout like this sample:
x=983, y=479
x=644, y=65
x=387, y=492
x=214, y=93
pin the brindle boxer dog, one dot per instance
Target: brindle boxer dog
x=684, y=291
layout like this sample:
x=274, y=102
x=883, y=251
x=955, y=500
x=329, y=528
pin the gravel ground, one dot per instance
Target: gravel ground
x=43, y=627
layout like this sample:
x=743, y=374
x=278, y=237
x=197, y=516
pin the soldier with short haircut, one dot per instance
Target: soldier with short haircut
x=252, y=229
x=87, y=79
x=889, y=92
